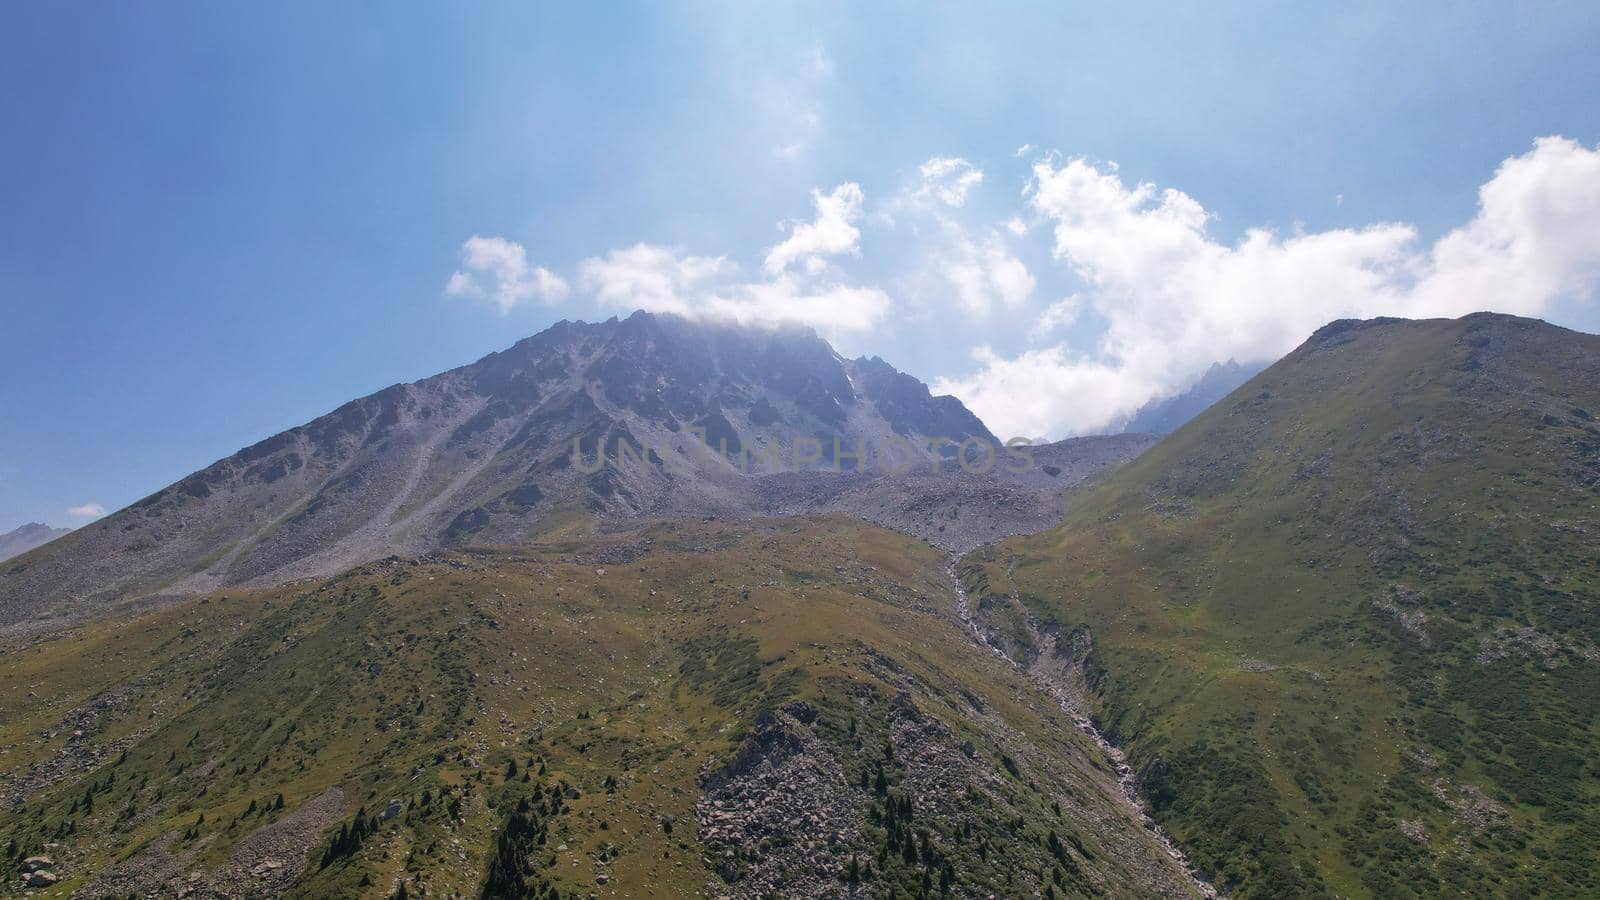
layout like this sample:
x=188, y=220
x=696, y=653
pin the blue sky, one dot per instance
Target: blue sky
x=219, y=221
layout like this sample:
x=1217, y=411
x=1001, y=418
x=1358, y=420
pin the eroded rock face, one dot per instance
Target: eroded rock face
x=780, y=814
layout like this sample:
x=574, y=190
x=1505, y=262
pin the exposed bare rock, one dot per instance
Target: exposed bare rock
x=150, y=869
x=1471, y=805
x=270, y=858
x=1413, y=622
x=82, y=752
x=263, y=864
x=779, y=815
x=1548, y=650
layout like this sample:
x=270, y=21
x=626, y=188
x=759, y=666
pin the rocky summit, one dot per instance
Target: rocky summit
x=26, y=537
x=651, y=415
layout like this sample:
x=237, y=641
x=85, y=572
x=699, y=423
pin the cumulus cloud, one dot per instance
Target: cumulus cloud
x=87, y=511
x=1030, y=395
x=504, y=265
x=1175, y=299
x=828, y=306
x=659, y=279
x=985, y=274
x=650, y=277
x=948, y=179
x=1535, y=239
x=833, y=231
x=974, y=265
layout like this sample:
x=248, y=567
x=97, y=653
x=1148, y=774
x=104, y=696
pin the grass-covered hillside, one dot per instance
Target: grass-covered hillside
x=755, y=709
x=1347, y=622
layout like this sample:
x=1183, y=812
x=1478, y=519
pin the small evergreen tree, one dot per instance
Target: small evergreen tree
x=350, y=838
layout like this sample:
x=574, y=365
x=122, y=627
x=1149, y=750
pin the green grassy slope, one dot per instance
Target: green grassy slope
x=692, y=707
x=1346, y=622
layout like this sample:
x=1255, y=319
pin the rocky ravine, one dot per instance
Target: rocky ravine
x=1058, y=673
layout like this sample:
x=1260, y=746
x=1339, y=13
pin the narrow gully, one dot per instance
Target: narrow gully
x=1127, y=781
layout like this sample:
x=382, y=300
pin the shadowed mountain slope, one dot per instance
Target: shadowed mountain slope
x=1168, y=414
x=1347, y=621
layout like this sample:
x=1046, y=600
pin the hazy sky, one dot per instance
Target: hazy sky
x=218, y=221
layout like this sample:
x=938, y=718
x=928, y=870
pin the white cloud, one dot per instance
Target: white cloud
x=1058, y=315
x=506, y=265
x=1175, y=299
x=830, y=307
x=1028, y=395
x=983, y=274
x=832, y=232
x=649, y=277
x=1535, y=239
x=979, y=272
x=461, y=285
x=948, y=179
x=1024, y=150
x=87, y=511
x=1013, y=283
x=657, y=279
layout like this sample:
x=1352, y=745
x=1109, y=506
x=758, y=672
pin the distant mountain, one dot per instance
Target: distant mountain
x=694, y=418
x=1167, y=414
x=1346, y=623
x=26, y=537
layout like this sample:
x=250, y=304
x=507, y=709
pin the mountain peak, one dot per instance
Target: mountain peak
x=1165, y=415
x=26, y=537
x=648, y=415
